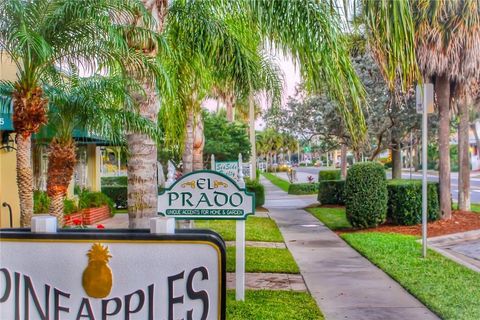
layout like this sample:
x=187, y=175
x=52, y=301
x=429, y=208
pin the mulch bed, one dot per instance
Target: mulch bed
x=461, y=221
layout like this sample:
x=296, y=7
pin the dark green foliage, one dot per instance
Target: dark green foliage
x=88, y=199
x=118, y=194
x=366, y=195
x=225, y=140
x=114, y=181
x=41, y=202
x=259, y=190
x=69, y=206
x=405, y=201
x=329, y=175
x=331, y=192
x=303, y=188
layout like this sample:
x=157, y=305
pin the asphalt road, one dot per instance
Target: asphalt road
x=474, y=182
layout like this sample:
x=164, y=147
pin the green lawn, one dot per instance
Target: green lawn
x=475, y=207
x=272, y=305
x=445, y=287
x=334, y=218
x=279, y=182
x=257, y=229
x=264, y=260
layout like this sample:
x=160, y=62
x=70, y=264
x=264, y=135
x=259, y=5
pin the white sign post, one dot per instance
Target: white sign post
x=424, y=102
x=240, y=245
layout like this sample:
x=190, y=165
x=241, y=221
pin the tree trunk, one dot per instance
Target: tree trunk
x=61, y=164
x=463, y=157
x=396, y=160
x=142, y=165
x=442, y=88
x=229, y=104
x=198, y=142
x=24, y=178
x=187, y=158
x=343, y=161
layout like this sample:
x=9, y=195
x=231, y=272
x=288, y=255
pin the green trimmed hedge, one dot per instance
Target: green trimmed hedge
x=118, y=194
x=405, y=201
x=89, y=199
x=329, y=175
x=114, y=181
x=303, y=188
x=366, y=195
x=259, y=190
x=331, y=192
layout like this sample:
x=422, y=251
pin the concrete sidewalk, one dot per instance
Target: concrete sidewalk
x=344, y=284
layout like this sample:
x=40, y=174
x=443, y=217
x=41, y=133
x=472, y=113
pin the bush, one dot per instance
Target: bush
x=329, y=175
x=259, y=190
x=366, y=195
x=41, y=202
x=331, y=192
x=118, y=194
x=89, y=199
x=405, y=201
x=69, y=206
x=303, y=188
x=114, y=181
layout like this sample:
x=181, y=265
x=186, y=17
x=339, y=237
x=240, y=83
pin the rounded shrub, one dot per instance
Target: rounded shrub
x=366, y=195
x=329, y=175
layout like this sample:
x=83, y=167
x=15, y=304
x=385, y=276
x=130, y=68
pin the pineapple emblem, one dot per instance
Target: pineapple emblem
x=97, y=277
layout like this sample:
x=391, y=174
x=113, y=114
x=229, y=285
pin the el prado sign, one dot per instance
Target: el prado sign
x=112, y=274
x=206, y=195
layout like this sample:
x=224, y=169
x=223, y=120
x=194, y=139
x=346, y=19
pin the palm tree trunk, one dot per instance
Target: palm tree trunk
x=24, y=178
x=187, y=158
x=442, y=88
x=229, y=103
x=343, y=161
x=396, y=160
x=142, y=165
x=61, y=164
x=198, y=143
x=463, y=158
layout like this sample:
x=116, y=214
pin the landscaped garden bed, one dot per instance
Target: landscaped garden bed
x=88, y=216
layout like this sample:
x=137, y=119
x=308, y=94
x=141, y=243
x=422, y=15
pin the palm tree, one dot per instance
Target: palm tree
x=443, y=37
x=315, y=42
x=39, y=36
x=97, y=105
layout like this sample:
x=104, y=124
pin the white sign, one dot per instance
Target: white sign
x=424, y=97
x=102, y=276
x=206, y=194
x=228, y=168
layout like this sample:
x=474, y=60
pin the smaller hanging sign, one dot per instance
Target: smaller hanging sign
x=229, y=168
x=206, y=195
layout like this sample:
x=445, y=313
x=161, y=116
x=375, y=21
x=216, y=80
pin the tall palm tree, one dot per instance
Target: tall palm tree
x=315, y=42
x=443, y=37
x=43, y=34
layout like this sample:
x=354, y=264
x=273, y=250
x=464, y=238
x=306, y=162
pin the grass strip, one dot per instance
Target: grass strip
x=257, y=229
x=264, y=260
x=272, y=305
x=475, y=207
x=445, y=287
x=279, y=182
x=333, y=218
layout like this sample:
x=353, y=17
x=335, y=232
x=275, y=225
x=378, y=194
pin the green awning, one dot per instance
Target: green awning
x=6, y=123
x=80, y=136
